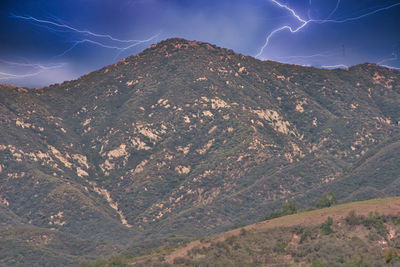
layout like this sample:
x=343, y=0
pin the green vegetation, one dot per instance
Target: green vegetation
x=114, y=261
x=329, y=244
x=388, y=255
x=326, y=227
x=327, y=200
x=318, y=263
x=287, y=209
x=189, y=139
x=352, y=219
x=280, y=247
x=305, y=242
x=373, y=220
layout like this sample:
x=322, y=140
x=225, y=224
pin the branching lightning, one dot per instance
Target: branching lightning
x=82, y=36
x=73, y=29
x=118, y=44
x=286, y=27
x=390, y=67
x=119, y=48
x=304, y=22
x=358, y=17
x=322, y=54
x=334, y=10
x=338, y=66
x=36, y=67
x=33, y=65
x=9, y=76
x=394, y=57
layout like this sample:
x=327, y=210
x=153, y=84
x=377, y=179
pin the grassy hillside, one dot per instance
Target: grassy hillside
x=302, y=239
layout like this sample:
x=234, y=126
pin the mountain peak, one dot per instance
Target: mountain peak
x=188, y=138
x=178, y=42
x=173, y=45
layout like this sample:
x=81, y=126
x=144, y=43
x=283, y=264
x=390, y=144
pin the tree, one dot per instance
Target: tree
x=327, y=200
x=352, y=219
x=287, y=209
x=326, y=227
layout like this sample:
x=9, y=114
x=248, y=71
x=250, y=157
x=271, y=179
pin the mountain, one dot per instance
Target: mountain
x=188, y=139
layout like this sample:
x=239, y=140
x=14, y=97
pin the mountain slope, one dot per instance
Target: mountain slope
x=188, y=138
x=295, y=240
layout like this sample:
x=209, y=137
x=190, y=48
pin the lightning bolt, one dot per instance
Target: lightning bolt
x=390, y=67
x=358, y=17
x=33, y=65
x=380, y=63
x=395, y=56
x=323, y=54
x=387, y=60
x=41, y=68
x=100, y=44
x=68, y=27
x=83, y=36
x=334, y=10
x=304, y=22
x=9, y=76
x=339, y=66
x=119, y=44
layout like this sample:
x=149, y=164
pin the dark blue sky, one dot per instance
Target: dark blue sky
x=37, y=48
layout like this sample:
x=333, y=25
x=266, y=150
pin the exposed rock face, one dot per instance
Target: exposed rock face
x=190, y=138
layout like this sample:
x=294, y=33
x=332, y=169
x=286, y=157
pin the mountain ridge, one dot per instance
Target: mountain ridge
x=182, y=42
x=186, y=138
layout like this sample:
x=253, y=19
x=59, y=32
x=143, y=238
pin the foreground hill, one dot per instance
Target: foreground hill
x=187, y=138
x=363, y=238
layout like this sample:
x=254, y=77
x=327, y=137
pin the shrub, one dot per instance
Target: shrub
x=318, y=263
x=352, y=219
x=230, y=240
x=373, y=220
x=287, y=209
x=180, y=260
x=327, y=200
x=306, y=233
x=326, y=227
x=377, y=221
x=243, y=232
x=388, y=254
x=359, y=261
x=280, y=247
